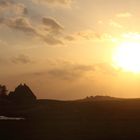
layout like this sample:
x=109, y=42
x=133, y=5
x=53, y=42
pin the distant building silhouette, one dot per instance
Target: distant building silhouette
x=22, y=94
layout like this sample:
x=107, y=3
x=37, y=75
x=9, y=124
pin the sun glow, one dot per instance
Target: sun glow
x=127, y=56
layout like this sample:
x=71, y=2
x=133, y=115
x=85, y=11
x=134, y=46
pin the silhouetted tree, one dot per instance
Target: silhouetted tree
x=3, y=91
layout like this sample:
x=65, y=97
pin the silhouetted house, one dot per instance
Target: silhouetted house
x=22, y=94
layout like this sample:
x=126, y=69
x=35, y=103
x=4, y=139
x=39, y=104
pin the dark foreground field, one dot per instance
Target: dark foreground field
x=54, y=120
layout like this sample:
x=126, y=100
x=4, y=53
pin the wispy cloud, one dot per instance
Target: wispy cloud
x=21, y=59
x=20, y=23
x=124, y=15
x=63, y=2
x=47, y=29
x=88, y=35
x=70, y=71
x=14, y=15
x=12, y=7
x=69, y=38
x=24, y=24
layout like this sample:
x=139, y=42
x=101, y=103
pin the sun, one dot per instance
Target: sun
x=127, y=56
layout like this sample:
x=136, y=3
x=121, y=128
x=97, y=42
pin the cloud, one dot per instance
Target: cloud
x=88, y=34
x=52, y=25
x=20, y=23
x=53, y=31
x=11, y=7
x=21, y=59
x=48, y=29
x=71, y=72
x=124, y=15
x=51, y=40
x=83, y=35
x=24, y=24
x=63, y=2
x=64, y=70
x=69, y=38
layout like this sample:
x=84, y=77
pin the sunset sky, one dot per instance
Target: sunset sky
x=69, y=49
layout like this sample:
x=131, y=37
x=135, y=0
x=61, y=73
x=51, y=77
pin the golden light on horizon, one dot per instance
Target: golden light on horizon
x=127, y=56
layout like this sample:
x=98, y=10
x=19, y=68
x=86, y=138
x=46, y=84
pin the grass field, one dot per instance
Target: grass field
x=75, y=120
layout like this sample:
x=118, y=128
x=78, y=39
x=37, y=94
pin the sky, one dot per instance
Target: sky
x=64, y=49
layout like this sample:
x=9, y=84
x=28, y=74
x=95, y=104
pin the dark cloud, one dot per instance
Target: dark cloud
x=21, y=59
x=53, y=29
x=52, y=25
